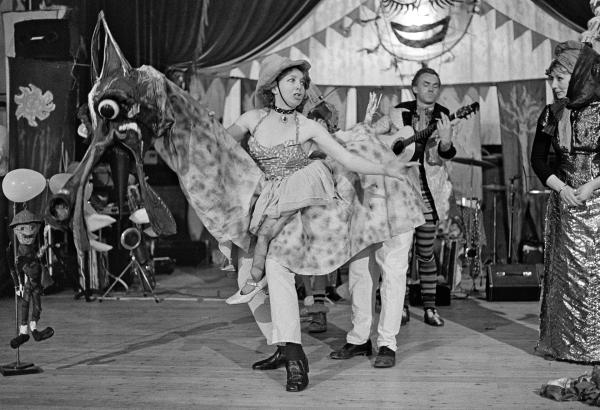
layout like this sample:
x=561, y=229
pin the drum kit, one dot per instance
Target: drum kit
x=471, y=213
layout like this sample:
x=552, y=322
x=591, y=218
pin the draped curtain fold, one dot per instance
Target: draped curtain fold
x=205, y=33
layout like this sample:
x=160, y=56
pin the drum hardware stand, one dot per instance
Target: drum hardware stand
x=512, y=218
x=131, y=238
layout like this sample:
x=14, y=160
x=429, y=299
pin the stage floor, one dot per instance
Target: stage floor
x=194, y=351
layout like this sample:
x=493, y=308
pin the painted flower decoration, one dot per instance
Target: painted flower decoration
x=32, y=104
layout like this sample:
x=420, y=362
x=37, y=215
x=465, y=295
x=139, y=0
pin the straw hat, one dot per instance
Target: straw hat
x=271, y=67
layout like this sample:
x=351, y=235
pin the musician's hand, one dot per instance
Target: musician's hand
x=444, y=127
x=398, y=169
x=19, y=290
x=372, y=107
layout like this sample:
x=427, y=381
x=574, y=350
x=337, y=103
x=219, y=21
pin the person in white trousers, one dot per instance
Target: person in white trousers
x=390, y=260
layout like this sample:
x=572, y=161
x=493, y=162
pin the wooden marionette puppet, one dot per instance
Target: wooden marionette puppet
x=27, y=270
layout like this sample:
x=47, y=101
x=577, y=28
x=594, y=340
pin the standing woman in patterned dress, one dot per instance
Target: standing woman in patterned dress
x=570, y=311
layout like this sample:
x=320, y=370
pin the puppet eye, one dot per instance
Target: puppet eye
x=108, y=109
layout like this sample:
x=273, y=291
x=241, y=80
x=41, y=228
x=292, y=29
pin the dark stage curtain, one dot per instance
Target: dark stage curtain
x=574, y=13
x=239, y=29
x=165, y=33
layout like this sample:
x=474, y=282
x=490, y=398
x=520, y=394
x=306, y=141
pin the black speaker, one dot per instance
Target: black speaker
x=43, y=39
x=514, y=282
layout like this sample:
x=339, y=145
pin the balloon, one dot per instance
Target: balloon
x=22, y=184
x=56, y=182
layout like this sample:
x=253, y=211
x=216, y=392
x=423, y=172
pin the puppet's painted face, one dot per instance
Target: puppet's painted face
x=422, y=30
x=26, y=233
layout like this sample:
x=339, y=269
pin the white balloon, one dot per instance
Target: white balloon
x=56, y=182
x=22, y=184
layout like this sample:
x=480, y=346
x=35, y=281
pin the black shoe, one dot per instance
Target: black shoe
x=386, y=357
x=275, y=361
x=405, y=316
x=19, y=340
x=432, y=317
x=38, y=336
x=350, y=350
x=297, y=374
x=318, y=324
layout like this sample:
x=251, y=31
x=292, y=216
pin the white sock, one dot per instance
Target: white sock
x=32, y=325
x=23, y=330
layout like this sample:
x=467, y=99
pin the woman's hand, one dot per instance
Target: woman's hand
x=372, y=107
x=584, y=192
x=568, y=195
x=398, y=169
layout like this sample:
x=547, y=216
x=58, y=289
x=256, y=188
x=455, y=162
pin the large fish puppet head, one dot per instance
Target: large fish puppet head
x=126, y=111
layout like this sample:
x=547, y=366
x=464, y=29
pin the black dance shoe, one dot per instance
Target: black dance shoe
x=386, y=357
x=19, y=340
x=350, y=350
x=432, y=317
x=405, y=316
x=38, y=336
x=297, y=375
x=318, y=323
x=275, y=361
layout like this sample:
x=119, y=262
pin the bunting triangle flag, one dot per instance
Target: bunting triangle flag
x=485, y=8
x=501, y=19
x=484, y=91
x=518, y=29
x=341, y=28
x=285, y=52
x=246, y=68
x=553, y=44
x=461, y=92
x=304, y=46
x=536, y=39
x=321, y=37
x=371, y=5
x=354, y=15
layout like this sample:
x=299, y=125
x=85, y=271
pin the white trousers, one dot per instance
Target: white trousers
x=259, y=305
x=389, y=260
x=277, y=315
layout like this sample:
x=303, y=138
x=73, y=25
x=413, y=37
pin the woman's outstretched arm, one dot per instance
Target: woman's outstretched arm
x=353, y=162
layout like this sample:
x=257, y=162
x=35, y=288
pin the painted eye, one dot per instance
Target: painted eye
x=108, y=109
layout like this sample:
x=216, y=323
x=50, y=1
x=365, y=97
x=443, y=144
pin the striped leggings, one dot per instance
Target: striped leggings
x=425, y=236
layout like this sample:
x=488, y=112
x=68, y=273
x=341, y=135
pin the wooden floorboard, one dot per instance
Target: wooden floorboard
x=194, y=351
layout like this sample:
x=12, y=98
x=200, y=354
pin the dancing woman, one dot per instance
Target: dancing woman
x=281, y=140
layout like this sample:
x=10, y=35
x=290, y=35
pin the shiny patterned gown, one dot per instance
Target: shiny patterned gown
x=570, y=312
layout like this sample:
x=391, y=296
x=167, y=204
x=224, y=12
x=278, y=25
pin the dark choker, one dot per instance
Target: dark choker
x=284, y=113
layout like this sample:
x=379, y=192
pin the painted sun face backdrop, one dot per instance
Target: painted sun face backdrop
x=423, y=29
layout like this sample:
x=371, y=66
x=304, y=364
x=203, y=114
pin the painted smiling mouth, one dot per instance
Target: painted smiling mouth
x=421, y=36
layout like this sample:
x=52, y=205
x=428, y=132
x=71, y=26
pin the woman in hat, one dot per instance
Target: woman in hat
x=281, y=140
x=299, y=200
x=570, y=313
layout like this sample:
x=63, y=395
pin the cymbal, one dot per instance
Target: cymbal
x=473, y=162
x=494, y=187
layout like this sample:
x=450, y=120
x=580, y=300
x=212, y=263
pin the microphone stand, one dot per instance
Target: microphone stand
x=512, y=218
